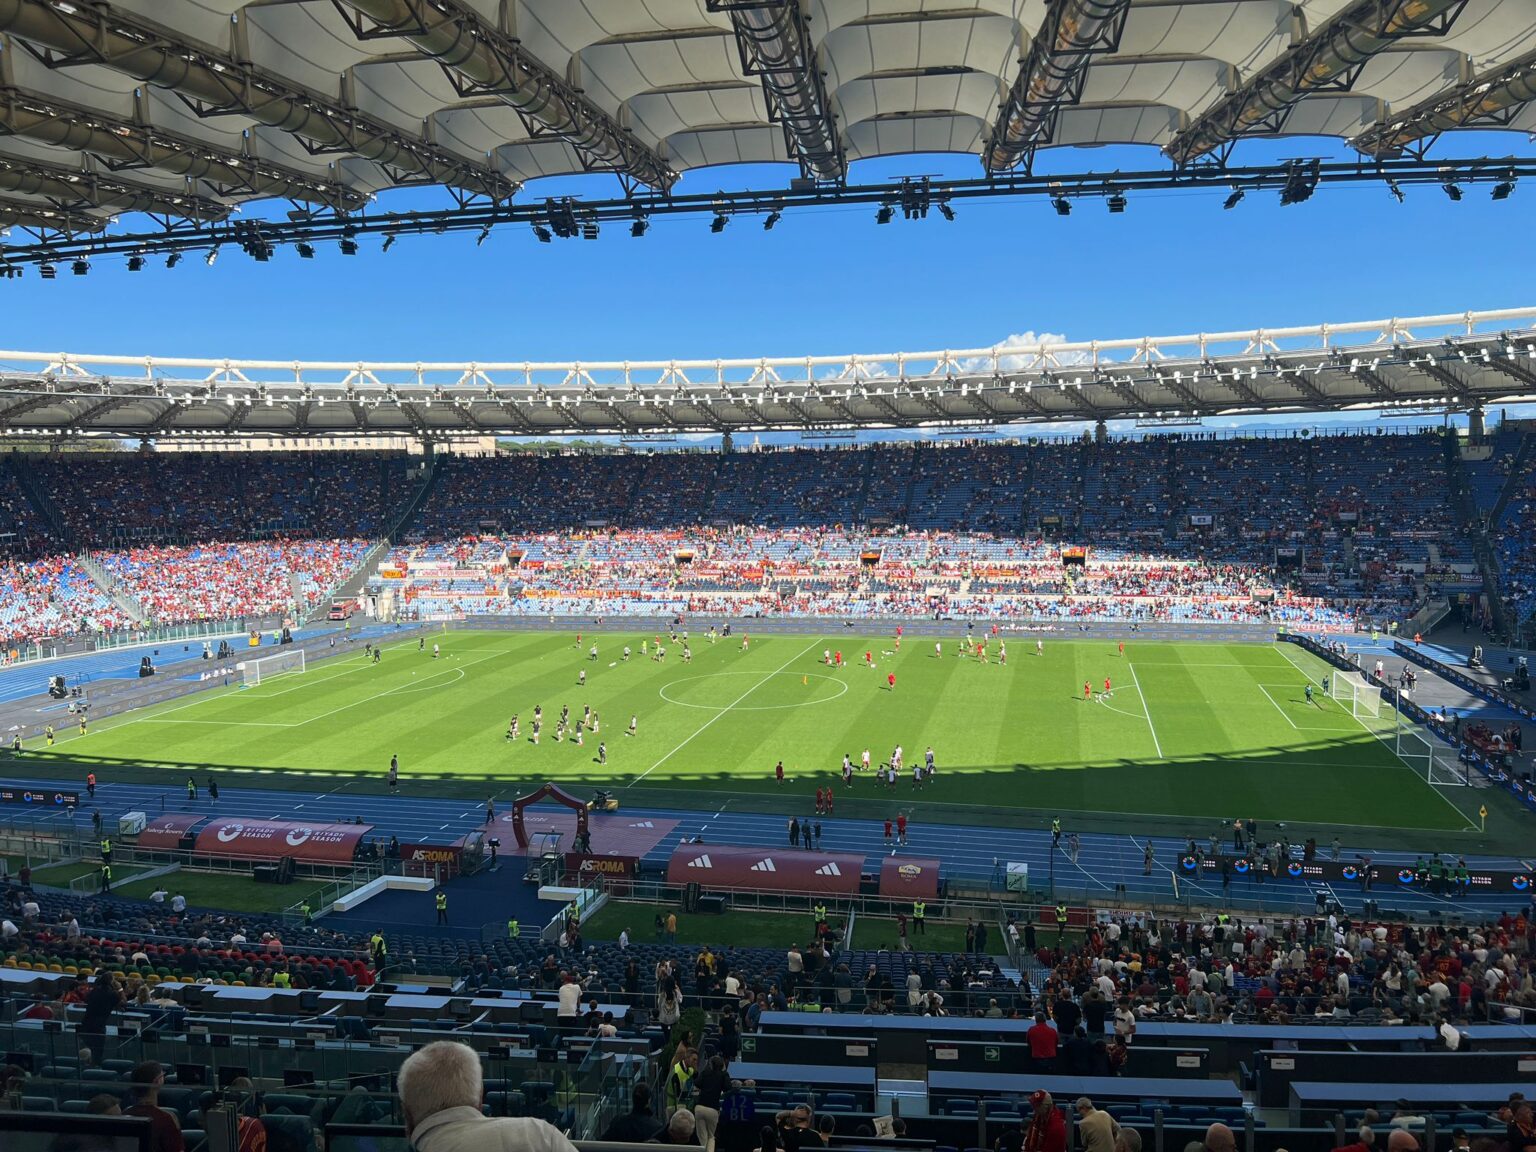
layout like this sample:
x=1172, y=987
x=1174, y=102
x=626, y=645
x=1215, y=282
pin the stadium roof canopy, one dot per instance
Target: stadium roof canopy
x=1454, y=361
x=185, y=108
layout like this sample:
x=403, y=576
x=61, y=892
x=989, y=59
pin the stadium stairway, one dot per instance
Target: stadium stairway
x=1512, y=482
x=21, y=469
x=111, y=588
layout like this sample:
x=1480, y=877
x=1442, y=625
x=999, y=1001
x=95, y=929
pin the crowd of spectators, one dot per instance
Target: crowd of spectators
x=109, y=500
x=50, y=597
x=1317, y=531
x=1339, y=529
x=228, y=580
x=1290, y=970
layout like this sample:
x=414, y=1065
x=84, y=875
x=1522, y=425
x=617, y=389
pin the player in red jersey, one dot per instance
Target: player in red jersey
x=1122, y=648
x=1087, y=690
x=890, y=681
x=1108, y=689
x=778, y=771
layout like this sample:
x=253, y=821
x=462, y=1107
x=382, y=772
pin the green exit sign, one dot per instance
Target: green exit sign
x=992, y=1053
x=749, y=1043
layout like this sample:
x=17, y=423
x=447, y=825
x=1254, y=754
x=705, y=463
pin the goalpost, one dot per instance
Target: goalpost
x=1359, y=697
x=1431, y=759
x=255, y=671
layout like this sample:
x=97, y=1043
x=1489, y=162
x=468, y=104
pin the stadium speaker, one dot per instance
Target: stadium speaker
x=376, y=1005
x=691, y=897
x=309, y=1000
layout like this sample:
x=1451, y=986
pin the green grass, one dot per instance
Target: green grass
x=63, y=875
x=880, y=932
x=218, y=890
x=1192, y=730
x=732, y=930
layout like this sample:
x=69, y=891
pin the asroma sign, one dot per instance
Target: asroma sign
x=609, y=868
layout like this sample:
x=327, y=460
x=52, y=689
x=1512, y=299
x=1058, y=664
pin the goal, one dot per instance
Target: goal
x=256, y=671
x=1355, y=694
x=1435, y=761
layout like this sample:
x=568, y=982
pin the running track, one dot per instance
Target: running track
x=971, y=854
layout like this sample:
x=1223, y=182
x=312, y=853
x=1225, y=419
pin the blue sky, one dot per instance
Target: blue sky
x=824, y=281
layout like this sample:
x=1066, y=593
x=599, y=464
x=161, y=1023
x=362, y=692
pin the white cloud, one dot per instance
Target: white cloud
x=1028, y=358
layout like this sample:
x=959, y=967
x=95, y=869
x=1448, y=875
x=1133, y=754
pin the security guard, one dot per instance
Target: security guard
x=820, y=912
x=442, y=907
x=1061, y=922
x=1055, y=830
x=106, y=850
x=379, y=950
x=191, y=788
x=919, y=911
x=306, y=912
x=48, y=734
x=106, y=878
x=514, y=930
x=281, y=979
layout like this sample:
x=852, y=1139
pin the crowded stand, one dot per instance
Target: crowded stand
x=192, y=537
x=1303, y=530
x=226, y=581
x=1512, y=535
x=51, y=597
x=21, y=534
x=1169, y=1023
x=1316, y=531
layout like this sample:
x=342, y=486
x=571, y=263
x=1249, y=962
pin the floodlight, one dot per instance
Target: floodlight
x=1116, y=202
x=47, y=271
x=1235, y=199
x=213, y=254
x=484, y=234
x=135, y=263
x=639, y=227
x=1062, y=205
x=542, y=233
x=306, y=251
x=80, y=267
x=945, y=210
x=885, y=215
x=1503, y=189
x=1452, y=190
x=348, y=246
x=389, y=241
x=173, y=259
x=717, y=225
x=1396, y=190
x=773, y=218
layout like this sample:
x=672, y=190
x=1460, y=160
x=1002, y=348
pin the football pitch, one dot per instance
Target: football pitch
x=1187, y=731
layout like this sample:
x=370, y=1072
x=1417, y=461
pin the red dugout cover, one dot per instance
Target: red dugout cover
x=167, y=831
x=768, y=869
x=321, y=843
x=908, y=879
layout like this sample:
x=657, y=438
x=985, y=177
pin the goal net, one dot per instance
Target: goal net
x=1355, y=694
x=1431, y=759
x=257, y=671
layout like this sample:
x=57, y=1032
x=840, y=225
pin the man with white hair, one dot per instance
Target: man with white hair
x=441, y=1091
